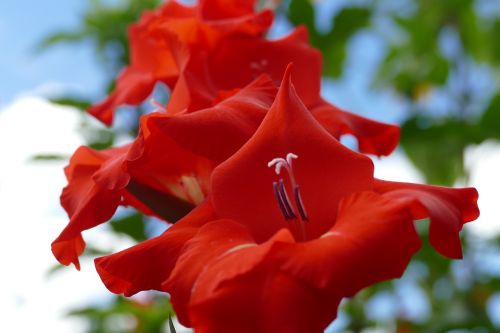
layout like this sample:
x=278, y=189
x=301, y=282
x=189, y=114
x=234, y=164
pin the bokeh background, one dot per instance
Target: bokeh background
x=431, y=66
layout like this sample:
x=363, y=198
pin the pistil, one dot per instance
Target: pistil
x=300, y=204
x=281, y=195
x=283, y=200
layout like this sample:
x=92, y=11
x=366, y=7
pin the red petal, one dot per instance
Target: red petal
x=147, y=265
x=373, y=240
x=449, y=209
x=373, y=137
x=249, y=25
x=242, y=187
x=267, y=302
x=88, y=203
x=238, y=61
x=296, y=287
x=222, y=9
x=212, y=240
x=68, y=251
x=158, y=162
x=217, y=132
x=240, y=290
x=194, y=89
x=151, y=61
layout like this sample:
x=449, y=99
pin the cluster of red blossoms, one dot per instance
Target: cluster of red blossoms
x=279, y=221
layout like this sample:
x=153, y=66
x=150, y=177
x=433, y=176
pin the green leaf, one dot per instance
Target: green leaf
x=148, y=317
x=78, y=103
x=412, y=74
x=490, y=120
x=132, y=225
x=471, y=34
x=439, y=69
x=334, y=58
x=436, y=147
x=333, y=44
x=62, y=37
x=349, y=21
x=346, y=24
x=49, y=157
x=495, y=42
x=302, y=12
x=98, y=139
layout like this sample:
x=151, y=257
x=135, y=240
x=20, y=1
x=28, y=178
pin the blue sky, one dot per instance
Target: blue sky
x=22, y=26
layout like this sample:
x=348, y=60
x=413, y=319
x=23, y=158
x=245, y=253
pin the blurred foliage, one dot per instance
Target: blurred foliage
x=49, y=157
x=133, y=225
x=105, y=25
x=72, y=101
x=128, y=315
x=419, y=66
x=333, y=43
x=434, y=50
x=455, y=294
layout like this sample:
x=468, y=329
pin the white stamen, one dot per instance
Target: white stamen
x=280, y=162
x=290, y=157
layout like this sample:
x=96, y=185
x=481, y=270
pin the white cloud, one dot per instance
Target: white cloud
x=483, y=161
x=396, y=167
x=31, y=219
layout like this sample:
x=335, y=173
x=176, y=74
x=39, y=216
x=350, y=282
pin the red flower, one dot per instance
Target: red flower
x=146, y=174
x=206, y=51
x=277, y=252
x=165, y=172
x=153, y=43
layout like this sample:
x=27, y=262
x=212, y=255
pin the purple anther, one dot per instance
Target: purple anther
x=286, y=201
x=300, y=204
x=279, y=199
